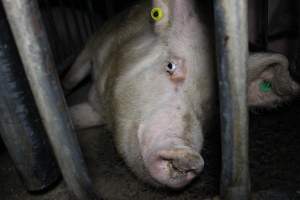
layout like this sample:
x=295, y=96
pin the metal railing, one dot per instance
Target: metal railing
x=30, y=36
x=232, y=53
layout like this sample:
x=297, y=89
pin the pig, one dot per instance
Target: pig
x=154, y=84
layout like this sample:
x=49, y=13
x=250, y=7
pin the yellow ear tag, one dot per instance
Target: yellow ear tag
x=157, y=14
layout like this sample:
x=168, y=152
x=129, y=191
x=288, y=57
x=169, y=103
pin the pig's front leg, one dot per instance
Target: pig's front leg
x=80, y=69
x=85, y=116
x=269, y=80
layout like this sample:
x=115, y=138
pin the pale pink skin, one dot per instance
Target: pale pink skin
x=159, y=118
x=163, y=140
x=162, y=143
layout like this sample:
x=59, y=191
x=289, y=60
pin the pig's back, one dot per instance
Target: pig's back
x=117, y=31
x=105, y=47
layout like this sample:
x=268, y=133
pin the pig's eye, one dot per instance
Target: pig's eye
x=170, y=68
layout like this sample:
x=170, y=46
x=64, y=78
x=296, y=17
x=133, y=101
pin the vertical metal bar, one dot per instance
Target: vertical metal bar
x=232, y=53
x=29, y=33
x=21, y=127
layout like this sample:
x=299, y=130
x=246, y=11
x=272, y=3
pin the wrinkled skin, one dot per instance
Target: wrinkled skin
x=159, y=116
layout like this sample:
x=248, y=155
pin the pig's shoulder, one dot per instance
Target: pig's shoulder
x=133, y=21
x=125, y=26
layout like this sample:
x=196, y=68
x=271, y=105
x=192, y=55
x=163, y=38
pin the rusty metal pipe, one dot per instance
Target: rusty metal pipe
x=232, y=53
x=29, y=33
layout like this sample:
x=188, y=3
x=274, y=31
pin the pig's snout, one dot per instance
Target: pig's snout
x=170, y=148
x=175, y=168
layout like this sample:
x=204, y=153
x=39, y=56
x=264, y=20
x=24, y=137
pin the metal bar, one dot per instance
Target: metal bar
x=21, y=126
x=232, y=53
x=29, y=33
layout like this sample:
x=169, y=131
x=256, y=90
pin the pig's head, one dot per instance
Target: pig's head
x=269, y=80
x=164, y=87
x=164, y=94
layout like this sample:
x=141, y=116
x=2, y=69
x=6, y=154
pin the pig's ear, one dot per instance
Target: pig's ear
x=167, y=14
x=269, y=81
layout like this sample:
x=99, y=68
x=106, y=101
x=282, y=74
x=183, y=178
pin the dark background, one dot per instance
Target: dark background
x=274, y=135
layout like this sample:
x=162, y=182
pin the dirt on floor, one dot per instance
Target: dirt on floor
x=274, y=163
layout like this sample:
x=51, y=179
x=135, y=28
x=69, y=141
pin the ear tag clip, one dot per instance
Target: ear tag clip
x=157, y=14
x=265, y=86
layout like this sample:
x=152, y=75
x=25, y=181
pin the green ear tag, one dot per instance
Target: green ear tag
x=265, y=86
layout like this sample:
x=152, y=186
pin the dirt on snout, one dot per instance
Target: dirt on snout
x=274, y=162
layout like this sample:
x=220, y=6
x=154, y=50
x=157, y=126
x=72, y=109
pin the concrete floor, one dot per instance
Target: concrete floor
x=274, y=154
x=110, y=175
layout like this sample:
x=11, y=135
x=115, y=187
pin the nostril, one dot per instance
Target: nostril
x=187, y=164
x=183, y=160
x=176, y=167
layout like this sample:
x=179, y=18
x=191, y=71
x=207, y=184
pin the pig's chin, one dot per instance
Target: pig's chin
x=174, y=168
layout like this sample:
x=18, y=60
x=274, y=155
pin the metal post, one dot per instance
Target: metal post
x=21, y=127
x=232, y=53
x=26, y=24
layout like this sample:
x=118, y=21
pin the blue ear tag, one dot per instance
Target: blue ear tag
x=265, y=86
